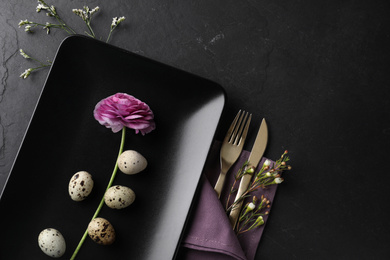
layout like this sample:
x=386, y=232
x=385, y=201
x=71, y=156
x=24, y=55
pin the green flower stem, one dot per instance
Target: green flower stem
x=40, y=62
x=241, y=172
x=109, y=35
x=90, y=29
x=248, y=229
x=40, y=67
x=102, y=200
x=64, y=26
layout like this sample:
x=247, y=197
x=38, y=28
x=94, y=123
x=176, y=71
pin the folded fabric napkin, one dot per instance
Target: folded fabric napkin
x=209, y=234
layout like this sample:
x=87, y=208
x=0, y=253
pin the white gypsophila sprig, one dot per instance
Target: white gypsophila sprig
x=80, y=13
x=26, y=73
x=41, y=7
x=115, y=22
x=50, y=10
x=24, y=22
x=94, y=10
x=86, y=16
x=41, y=65
x=47, y=27
x=27, y=28
x=53, y=10
x=28, y=25
x=24, y=54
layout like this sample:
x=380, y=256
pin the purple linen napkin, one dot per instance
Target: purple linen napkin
x=209, y=234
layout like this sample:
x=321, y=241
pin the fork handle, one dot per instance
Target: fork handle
x=219, y=185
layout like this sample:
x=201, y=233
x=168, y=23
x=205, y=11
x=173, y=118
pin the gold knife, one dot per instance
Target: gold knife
x=254, y=159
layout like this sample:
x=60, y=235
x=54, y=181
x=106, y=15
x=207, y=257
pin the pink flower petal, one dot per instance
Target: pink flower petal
x=123, y=110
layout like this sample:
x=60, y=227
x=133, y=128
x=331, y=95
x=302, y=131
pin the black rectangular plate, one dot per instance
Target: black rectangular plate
x=63, y=138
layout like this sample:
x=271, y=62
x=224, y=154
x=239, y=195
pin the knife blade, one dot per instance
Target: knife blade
x=254, y=159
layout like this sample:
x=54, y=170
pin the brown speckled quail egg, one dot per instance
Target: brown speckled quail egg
x=119, y=197
x=101, y=231
x=131, y=162
x=80, y=185
x=51, y=242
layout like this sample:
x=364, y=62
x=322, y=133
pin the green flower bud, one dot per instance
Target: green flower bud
x=259, y=221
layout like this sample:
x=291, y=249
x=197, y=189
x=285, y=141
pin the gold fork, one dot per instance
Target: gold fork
x=232, y=146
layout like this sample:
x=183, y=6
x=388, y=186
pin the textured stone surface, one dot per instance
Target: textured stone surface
x=317, y=71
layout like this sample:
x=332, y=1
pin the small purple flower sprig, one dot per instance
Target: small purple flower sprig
x=269, y=174
x=118, y=112
x=85, y=14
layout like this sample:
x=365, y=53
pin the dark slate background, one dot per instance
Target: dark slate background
x=318, y=71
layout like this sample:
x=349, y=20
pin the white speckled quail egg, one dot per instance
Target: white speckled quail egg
x=51, y=242
x=119, y=197
x=101, y=231
x=80, y=185
x=131, y=162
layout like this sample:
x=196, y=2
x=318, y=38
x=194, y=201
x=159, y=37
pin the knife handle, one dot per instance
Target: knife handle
x=235, y=212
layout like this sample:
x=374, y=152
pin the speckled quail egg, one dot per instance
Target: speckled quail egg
x=80, y=185
x=119, y=197
x=131, y=162
x=51, y=242
x=101, y=231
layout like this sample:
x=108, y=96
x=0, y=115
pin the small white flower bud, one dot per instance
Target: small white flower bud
x=278, y=180
x=259, y=221
x=114, y=21
x=249, y=207
x=94, y=10
x=267, y=163
x=121, y=19
x=26, y=73
x=21, y=23
x=27, y=28
x=41, y=7
x=250, y=170
x=24, y=54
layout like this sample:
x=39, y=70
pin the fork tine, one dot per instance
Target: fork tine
x=232, y=126
x=237, y=138
x=236, y=128
x=243, y=137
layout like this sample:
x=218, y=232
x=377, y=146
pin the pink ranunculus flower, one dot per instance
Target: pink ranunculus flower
x=123, y=110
